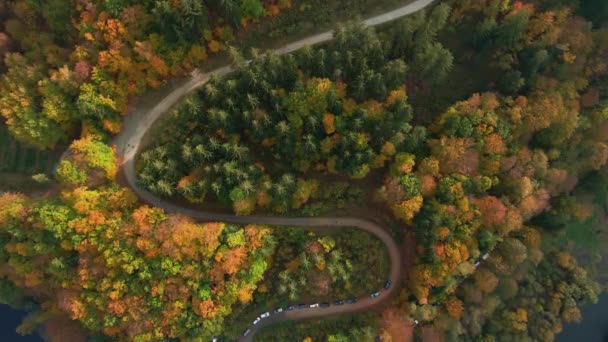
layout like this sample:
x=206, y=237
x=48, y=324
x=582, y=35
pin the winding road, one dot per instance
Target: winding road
x=139, y=120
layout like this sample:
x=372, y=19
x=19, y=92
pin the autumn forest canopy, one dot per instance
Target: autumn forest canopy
x=475, y=131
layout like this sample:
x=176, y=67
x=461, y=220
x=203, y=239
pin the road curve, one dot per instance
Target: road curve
x=140, y=120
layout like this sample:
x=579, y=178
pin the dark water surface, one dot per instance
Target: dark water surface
x=593, y=328
x=9, y=320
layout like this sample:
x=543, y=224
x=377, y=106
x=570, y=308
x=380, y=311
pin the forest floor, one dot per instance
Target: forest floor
x=18, y=162
x=18, y=158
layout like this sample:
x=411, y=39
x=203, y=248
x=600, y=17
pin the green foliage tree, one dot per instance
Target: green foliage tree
x=68, y=173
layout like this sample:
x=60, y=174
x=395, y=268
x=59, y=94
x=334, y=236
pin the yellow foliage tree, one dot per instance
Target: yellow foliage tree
x=329, y=123
x=395, y=95
x=454, y=307
x=388, y=149
x=407, y=209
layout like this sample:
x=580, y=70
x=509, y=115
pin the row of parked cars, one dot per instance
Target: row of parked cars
x=387, y=285
x=258, y=319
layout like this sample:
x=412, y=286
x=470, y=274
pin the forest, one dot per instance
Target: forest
x=468, y=179
x=310, y=267
x=475, y=130
x=315, y=121
x=121, y=268
x=69, y=65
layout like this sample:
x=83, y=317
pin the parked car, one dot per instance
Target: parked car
x=289, y=308
x=477, y=263
x=256, y=321
x=387, y=284
x=265, y=314
x=324, y=305
x=279, y=310
x=315, y=305
x=485, y=256
x=351, y=300
x=416, y=322
x=375, y=294
x=339, y=302
x=246, y=332
x=301, y=306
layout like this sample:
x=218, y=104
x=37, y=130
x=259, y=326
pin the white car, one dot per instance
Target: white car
x=256, y=321
x=316, y=305
x=279, y=310
x=477, y=263
x=265, y=314
x=485, y=256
